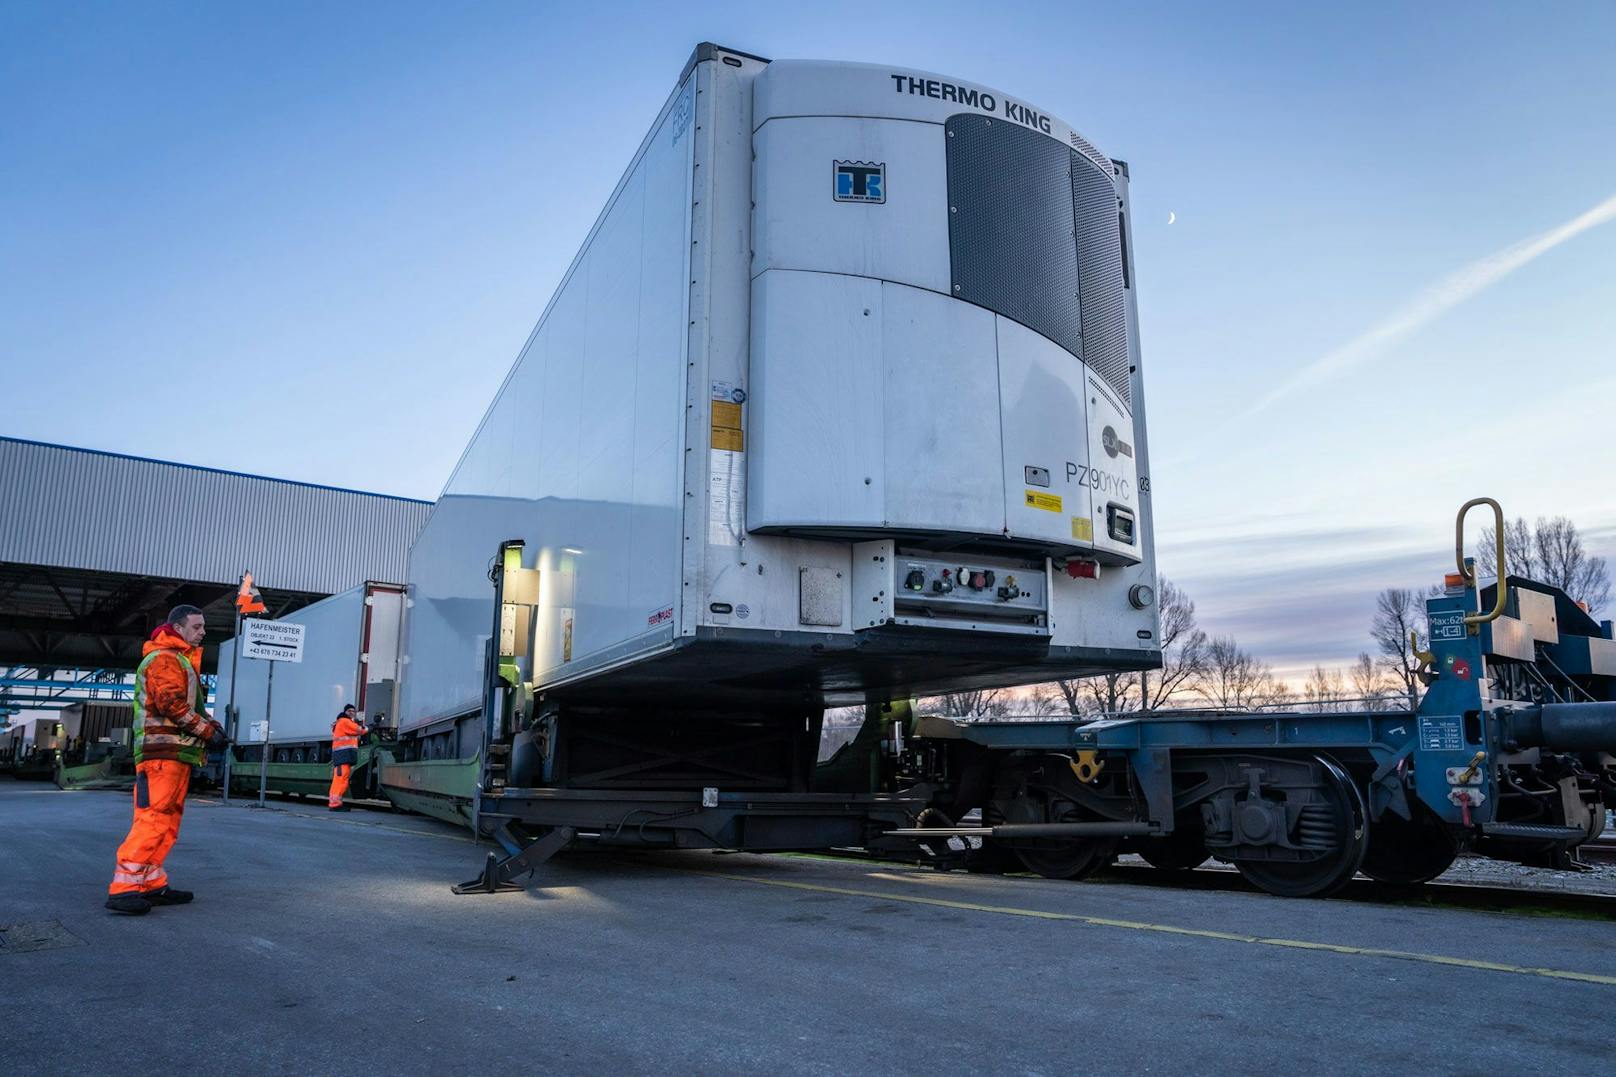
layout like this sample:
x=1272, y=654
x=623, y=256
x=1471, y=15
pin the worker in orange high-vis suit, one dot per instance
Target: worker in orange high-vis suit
x=345, y=734
x=172, y=734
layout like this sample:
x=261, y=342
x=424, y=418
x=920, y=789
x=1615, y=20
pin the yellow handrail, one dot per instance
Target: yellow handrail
x=1467, y=571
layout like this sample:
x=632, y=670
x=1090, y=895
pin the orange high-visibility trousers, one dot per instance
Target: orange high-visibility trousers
x=340, y=773
x=160, y=786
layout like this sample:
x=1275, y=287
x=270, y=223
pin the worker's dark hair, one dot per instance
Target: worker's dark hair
x=349, y=707
x=178, y=615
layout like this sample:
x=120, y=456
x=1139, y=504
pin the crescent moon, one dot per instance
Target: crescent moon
x=1171, y=216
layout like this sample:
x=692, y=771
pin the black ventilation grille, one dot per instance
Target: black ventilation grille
x=1100, y=270
x=1032, y=235
x=1010, y=226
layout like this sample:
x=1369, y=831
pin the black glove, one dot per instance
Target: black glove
x=217, y=740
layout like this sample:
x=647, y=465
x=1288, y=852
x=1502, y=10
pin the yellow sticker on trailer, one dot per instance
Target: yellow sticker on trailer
x=726, y=427
x=1082, y=529
x=1047, y=502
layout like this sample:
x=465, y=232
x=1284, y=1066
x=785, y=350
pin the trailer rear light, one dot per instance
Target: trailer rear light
x=1083, y=570
x=1454, y=581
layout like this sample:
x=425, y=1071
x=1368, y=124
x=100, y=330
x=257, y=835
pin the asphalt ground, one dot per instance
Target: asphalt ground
x=324, y=943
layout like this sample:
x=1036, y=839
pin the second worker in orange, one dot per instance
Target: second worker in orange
x=345, y=734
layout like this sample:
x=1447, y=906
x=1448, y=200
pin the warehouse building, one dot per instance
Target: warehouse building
x=96, y=547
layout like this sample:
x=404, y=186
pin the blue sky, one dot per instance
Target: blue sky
x=308, y=240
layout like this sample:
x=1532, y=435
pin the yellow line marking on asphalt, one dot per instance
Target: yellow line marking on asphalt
x=1168, y=929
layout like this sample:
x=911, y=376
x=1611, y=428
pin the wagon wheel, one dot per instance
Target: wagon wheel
x=1337, y=824
x=1066, y=858
x=1407, y=852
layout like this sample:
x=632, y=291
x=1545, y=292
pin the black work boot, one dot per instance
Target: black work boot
x=339, y=807
x=129, y=904
x=168, y=896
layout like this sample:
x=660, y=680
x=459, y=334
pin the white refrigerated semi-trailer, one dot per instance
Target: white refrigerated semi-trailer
x=350, y=655
x=841, y=398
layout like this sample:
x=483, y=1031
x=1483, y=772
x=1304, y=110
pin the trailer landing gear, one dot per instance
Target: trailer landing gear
x=523, y=858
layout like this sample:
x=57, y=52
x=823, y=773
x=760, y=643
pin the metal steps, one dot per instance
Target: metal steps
x=1533, y=832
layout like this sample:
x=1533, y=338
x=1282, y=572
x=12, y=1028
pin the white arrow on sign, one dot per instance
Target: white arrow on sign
x=272, y=641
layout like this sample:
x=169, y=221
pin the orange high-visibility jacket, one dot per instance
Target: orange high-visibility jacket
x=168, y=701
x=345, y=733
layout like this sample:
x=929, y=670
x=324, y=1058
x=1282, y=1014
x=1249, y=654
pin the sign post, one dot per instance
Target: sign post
x=247, y=601
x=230, y=711
x=263, y=752
x=272, y=642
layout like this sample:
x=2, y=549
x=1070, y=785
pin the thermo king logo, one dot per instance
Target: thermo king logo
x=860, y=181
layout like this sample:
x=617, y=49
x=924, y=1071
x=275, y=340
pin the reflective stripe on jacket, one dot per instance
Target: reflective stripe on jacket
x=345, y=733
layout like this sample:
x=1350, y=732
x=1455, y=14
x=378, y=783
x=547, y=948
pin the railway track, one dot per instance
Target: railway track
x=1505, y=899
x=1602, y=850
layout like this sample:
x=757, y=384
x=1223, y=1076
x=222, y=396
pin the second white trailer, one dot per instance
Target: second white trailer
x=350, y=655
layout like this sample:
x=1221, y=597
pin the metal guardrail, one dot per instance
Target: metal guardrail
x=79, y=686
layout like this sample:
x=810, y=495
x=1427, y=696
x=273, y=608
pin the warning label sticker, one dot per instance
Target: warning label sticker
x=726, y=498
x=1082, y=528
x=1441, y=733
x=1047, y=502
x=727, y=433
x=1447, y=625
x=724, y=390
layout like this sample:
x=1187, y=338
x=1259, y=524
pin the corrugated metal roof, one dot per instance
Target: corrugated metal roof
x=79, y=508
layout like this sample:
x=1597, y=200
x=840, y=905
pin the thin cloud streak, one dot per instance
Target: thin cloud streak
x=1435, y=301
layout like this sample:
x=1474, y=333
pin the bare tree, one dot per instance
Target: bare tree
x=1370, y=683
x=1183, y=646
x=844, y=716
x=1235, y=679
x=1549, y=551
x=1107, y=694
x=1073, y=695
x=1183, y=649
x=1035, y=701
x=1399, y=611
x=975, y=703
x=1324, y=690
